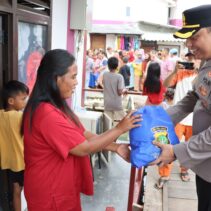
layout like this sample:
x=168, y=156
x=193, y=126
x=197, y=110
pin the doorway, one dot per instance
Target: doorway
x=4, y=66
x=5, y=190
x=98, y=41
x=1, y=49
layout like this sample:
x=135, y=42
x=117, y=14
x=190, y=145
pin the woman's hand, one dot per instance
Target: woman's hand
x=167, y=155
x=129, y=121
x=123, y=151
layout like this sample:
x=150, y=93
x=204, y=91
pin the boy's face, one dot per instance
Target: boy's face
x=18, y=102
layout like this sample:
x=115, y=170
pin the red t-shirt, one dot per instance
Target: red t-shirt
x=156, y=98
x=53, y=178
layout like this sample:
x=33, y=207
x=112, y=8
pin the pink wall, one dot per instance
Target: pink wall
x=176, y=22
x=70, y=41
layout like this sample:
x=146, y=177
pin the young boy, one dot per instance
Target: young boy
x=125, y=72
x=14, y=97
x=114, y=87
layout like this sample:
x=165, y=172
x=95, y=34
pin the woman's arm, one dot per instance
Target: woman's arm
x=121, y=149
x=89, y=135
x=99, y=142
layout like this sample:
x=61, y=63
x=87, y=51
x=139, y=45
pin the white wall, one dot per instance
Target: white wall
x=111, y=41
x=182, y=5
x=110, y=10
x=155, y=11
x=59, y=40
x=59, y=24
x=78, y=53
x=151, y=10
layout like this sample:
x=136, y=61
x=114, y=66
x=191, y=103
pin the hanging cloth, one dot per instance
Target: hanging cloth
x=127, y=43
x=122, y=43
x=136, y=43
x=132, y=42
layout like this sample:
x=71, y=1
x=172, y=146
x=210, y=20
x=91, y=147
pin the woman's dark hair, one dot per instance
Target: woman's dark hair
x=152, y=83
x=54, y=63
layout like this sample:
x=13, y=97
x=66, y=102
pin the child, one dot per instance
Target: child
x=169, y=98
x=125, y=71
x=155, y=90
x=114, y=88
x=165, y=170
x=153, y=86
x=14, y=97
x=137, y=66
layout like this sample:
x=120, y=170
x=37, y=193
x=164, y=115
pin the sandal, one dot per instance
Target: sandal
x=185, y=176
x=161, y=182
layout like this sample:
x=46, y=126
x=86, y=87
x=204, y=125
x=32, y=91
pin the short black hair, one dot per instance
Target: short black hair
x=12, y=89
x=169, y=94
x=113, y=63
x=125, y=59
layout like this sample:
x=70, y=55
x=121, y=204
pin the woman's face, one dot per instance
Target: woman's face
x=68, y=82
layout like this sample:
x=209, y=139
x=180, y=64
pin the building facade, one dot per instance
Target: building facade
x=147, y=22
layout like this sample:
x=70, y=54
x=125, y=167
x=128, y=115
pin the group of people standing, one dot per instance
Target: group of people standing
x=132, y=65
x=96, y=65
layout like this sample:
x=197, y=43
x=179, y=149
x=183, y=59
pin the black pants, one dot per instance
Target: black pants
x=204, y=194
x=5, y=191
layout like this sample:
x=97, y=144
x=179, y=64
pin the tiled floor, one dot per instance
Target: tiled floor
x=111, y=186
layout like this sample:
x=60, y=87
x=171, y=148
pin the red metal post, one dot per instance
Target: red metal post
x=131, y=188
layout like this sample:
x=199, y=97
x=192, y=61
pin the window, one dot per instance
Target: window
x=41, y=6
x=128, y=11
x=32, y=44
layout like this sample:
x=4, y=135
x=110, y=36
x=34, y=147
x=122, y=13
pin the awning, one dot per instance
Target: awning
x=126, y=28
x=159, y=36
x=148, y=31
x=158, y=32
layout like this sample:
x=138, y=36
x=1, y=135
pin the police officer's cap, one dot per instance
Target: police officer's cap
x=193, y=20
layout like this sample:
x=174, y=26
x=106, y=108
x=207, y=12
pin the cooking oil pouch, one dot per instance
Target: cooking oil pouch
x=155, y=126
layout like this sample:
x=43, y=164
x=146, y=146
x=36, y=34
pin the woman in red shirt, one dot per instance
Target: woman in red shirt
x=153, y=86
x=56, y=145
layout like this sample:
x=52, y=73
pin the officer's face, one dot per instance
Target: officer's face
x=200, y=44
